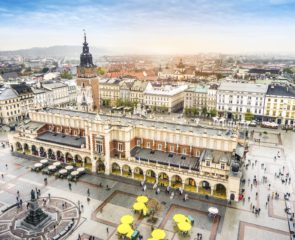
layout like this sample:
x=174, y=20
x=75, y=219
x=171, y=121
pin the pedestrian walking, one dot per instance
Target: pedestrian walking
x=70, y=186
x=88, y=192
x=107, y=230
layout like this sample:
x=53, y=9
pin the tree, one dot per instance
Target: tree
x=249, y=116
x=155, y=206
x=204, y=111
x=119, y=102
x=195, y=111
x=66, y=75
x=106, y=102
x=213, y=112
x=187, y=111
x=288, y=70
x=45, y=70
x=101, y=71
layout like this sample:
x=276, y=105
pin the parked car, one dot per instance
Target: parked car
x=253, y=123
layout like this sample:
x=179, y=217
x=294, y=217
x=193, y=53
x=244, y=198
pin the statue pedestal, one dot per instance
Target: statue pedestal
x=37, y=219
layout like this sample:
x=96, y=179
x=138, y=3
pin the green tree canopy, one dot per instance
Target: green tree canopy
x=66, y=75
x=101, y=71
x=45, y=70
x=213, y=112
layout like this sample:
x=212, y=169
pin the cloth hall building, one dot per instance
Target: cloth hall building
x=193, y=158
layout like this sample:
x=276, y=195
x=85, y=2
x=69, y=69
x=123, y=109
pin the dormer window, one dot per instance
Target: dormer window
x=207, y=163
x=222, y=166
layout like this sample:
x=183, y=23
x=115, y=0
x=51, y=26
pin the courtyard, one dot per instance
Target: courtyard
x=101, y=215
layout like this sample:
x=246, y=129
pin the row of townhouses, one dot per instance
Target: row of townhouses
x=169, y=97
x=234, y=100
x=17, y=99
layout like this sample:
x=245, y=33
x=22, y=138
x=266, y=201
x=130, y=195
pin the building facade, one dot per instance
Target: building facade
x=196, y=97
x=15, y=103
x=137, y=90
x=234, y=100
x=51, y=94
x=167, y=97
x=212, y=97
x=193, y=158
x=109, y=90
x=280, y=104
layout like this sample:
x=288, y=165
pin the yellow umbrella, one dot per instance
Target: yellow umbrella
x=127, y=219
x=142, y=199
x=179, y=218
x=158, y=234
x=152, y=239
x=124, y=229
x=145, y=211
x=184, y=226
x=138, y=206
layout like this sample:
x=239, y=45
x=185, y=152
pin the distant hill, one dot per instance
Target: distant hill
x=54, y=51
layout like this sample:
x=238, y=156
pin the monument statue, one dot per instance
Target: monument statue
x=33, y=197
x=36, y=216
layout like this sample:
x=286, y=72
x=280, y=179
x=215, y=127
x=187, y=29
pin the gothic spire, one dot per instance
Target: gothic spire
x=85, y=56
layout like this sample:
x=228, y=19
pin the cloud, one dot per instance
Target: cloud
x=150, y=25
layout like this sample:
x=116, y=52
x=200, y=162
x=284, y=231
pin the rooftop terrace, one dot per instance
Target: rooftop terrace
x=164, y=158
x=60, y=138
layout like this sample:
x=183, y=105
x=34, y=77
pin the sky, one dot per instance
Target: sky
x=151, y=26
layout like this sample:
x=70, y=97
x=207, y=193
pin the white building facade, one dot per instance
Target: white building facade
x=169, y=97
x=234, y=100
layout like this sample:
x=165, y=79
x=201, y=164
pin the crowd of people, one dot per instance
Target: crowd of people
x=282, y=174
x=168, y=190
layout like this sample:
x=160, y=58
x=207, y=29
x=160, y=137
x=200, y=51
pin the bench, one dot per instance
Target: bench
x=9, y=207
x=64, y=231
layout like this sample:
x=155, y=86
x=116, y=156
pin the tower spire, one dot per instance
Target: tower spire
x=84, y=35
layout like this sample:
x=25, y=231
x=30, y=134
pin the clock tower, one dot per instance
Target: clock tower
x=87, y=81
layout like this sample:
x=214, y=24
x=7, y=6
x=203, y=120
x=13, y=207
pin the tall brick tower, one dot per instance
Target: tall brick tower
x=87, y=82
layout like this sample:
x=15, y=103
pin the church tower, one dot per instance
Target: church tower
x=87, y=82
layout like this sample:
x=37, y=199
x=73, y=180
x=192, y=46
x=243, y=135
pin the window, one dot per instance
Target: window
x=148, y=144
x=222, y=166
x=160, y=147
x=208, y=163
x=120, y=147
x=171, y=148
x=99, y=147
x=184, y=151
x=138, y=142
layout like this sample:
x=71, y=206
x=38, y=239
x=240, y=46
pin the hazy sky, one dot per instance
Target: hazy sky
x=151, y=26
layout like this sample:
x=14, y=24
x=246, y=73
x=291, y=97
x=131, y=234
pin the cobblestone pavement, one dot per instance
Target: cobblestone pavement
x=101, y=215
